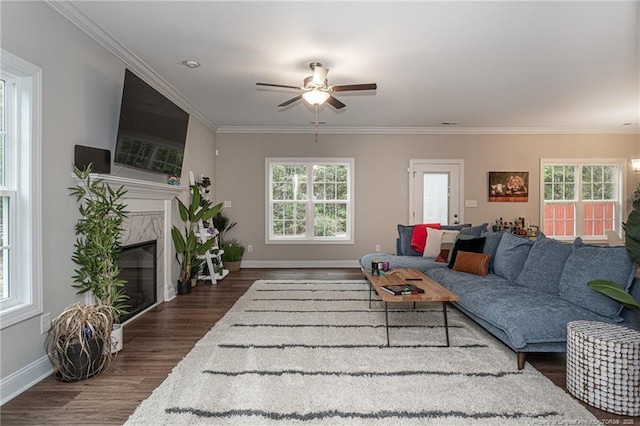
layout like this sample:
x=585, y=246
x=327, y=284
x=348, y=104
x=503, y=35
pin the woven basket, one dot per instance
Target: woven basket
x=232, y=266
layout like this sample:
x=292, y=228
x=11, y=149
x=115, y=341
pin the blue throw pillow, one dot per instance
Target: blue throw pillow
x=544, y=265
x=405, y=233
x=491, y=245
x=587, y=263
x=473, y=245
x=455, y=227
x=475, y=231
x=511, y=254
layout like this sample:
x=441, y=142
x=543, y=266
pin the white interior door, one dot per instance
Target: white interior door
x=436, y=191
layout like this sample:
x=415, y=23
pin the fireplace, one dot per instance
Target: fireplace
x=138, y=267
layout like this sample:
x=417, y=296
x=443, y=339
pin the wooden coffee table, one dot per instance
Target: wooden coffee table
x=433, y=292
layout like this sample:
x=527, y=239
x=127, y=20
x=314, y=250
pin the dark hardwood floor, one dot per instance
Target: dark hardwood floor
x=160, y=338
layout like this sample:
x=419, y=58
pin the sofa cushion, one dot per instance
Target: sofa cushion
x=475, y=231
x=473, y=245
x=492, y=239
x=462, y=283
x=525, y=315
x=587, y=263
x=417, y=262
x=511, y=254
x=544, y=265
x=405, y=233
x=472, y=263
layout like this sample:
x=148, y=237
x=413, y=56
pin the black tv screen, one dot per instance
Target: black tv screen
x=152, y=130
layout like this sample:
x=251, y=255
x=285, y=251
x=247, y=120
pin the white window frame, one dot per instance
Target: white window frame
x=310, y=239
x=579, y=216
x=26, y=300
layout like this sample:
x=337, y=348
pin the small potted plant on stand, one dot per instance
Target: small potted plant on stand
x=232, y=254
x=80, y=343
x=185, y=240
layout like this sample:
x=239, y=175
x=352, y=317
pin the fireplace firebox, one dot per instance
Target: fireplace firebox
x=138, y=267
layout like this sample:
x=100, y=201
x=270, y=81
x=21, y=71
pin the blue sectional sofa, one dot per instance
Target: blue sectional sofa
x=533, y=288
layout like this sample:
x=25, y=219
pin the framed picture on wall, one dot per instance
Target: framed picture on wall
x=509, y=186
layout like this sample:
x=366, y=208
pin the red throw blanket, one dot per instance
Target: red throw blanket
x=419, y=237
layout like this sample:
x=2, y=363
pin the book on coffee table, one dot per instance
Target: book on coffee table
x=402, y=289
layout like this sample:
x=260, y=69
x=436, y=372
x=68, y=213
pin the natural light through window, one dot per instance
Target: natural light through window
x=310, y=200
x=20, y=153
x=581, y=197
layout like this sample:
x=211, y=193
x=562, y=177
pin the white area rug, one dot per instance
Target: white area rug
x=311, y=352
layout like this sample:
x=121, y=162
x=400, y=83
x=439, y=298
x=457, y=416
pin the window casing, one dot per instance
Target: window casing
x=20, y=146
x=581, y=197
x=309, y=200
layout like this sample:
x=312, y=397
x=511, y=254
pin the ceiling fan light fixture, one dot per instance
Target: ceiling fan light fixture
x=315, y=97
x=319, y=76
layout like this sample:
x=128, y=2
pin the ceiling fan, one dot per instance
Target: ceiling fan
x=316, y=89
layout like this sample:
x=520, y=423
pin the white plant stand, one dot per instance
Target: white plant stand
x=213, y=258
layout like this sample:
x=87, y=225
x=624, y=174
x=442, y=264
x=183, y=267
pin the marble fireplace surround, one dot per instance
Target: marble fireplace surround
x=150, y=207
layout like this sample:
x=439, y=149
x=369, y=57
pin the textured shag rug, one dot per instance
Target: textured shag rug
x=312, y=352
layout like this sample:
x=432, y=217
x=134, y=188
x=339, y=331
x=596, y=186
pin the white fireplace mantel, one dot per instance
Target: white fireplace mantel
x=139, y=189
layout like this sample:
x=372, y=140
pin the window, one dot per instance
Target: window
x=310, y=200
x=581, y=197
x=20, y=240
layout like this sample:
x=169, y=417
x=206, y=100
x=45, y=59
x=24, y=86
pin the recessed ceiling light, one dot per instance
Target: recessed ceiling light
x=189, y=63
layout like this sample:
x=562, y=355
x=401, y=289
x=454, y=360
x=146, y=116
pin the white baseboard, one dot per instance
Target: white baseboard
x=18, y=382
x=300, y=264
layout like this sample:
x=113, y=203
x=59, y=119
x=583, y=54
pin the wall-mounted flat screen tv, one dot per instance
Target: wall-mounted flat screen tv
x=152, y=130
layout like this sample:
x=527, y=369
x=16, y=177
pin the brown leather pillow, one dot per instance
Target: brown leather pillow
x=472, y=263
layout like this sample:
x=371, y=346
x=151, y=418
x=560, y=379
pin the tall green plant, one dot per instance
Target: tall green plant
x=185, y=240
x=223, y=224
x=632, y=232
x=98, y=244
x=632, y=243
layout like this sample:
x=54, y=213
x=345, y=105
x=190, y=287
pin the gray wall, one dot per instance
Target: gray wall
x=82, y=88
x=382, y=182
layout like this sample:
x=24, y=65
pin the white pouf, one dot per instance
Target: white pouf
x=603, y=366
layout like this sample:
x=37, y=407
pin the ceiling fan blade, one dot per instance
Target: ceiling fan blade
x=290, y=101
x=335, y=103
x=346, y=87
x=278, y=85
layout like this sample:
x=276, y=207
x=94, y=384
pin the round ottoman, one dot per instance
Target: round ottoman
x=603, y=366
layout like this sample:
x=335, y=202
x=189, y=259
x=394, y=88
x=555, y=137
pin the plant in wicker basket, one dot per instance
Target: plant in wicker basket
x=77, y=340
x=232, y=254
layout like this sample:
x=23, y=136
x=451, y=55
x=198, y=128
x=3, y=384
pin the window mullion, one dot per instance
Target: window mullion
x=310, y=204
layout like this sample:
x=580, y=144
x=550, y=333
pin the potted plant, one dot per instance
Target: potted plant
x=98, y=245
x=77, y=340
x=632, y=243
x=223, y=224
x=185, y=240
x=232, y=254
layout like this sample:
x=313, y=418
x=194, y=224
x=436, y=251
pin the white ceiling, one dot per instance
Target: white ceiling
x=518, y=65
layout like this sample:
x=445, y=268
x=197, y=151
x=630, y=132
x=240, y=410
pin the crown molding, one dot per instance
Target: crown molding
x=76, y=16
x=433, y=130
